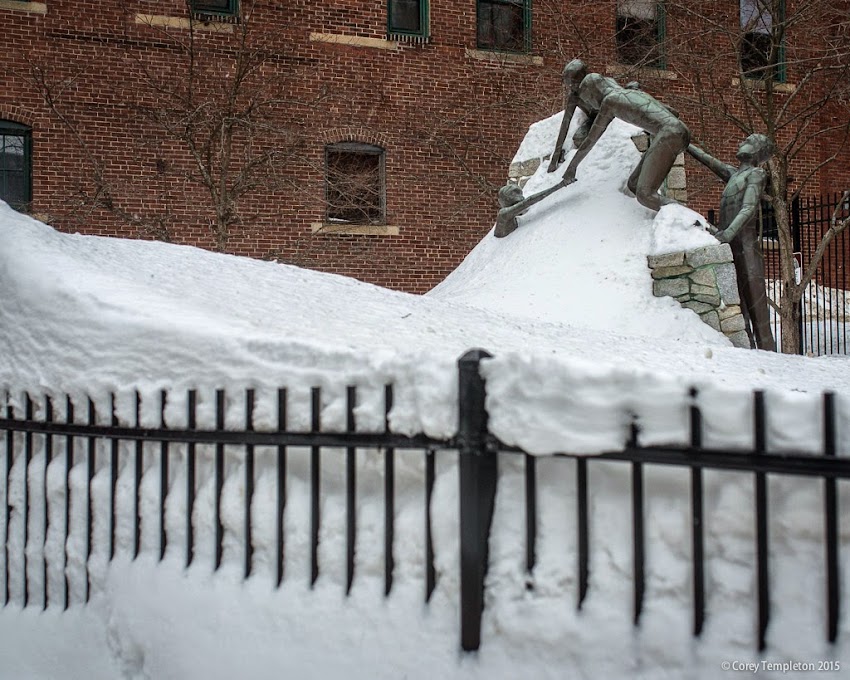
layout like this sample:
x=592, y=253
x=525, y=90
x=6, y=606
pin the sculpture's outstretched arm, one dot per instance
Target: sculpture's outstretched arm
x=525, y=204
x=719, y=168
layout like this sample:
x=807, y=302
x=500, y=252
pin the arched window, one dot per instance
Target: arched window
x=355, y=183
x=15, y=164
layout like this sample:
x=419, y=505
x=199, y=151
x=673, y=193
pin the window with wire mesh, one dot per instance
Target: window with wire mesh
x=407, y=17
x=223, y=8
x=354, y=183
x=640, y=33
x=760, y=54
x=15, y=165
x=504, y=25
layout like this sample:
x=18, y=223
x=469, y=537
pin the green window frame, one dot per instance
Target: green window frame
x=355, y=183
x=762, y=22
x=223, y=8
x=640, y=33
x=408, y=18
x=503, y=25
x=16, y=164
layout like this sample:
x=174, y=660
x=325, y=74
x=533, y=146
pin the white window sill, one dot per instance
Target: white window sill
x=162, y=21
x=353, y=229
x=504, y=57
x=354, y=41
x=623, y=69
x=26, y=7
x=755, y=84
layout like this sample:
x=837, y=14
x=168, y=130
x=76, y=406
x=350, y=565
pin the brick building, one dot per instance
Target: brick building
x=363, y=137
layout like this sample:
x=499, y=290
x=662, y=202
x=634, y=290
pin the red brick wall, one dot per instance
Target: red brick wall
x=449, y=123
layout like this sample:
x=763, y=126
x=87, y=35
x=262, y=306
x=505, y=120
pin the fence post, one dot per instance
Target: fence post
x=478, y=473
x=797, y=244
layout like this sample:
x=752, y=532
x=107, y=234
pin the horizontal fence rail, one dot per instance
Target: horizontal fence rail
x=92, y=446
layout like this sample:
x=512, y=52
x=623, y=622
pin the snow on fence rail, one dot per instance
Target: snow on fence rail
x=66, y=477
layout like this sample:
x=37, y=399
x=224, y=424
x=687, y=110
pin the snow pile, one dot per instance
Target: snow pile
x=581, y=349
x=579, y=256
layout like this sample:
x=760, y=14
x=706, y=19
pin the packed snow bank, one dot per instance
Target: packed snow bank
x=84, y=314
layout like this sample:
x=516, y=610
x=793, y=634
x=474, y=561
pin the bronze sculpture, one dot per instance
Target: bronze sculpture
x=602, y=100
x=738, y=210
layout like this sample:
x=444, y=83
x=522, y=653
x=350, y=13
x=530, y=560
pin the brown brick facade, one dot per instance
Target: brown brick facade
x=90, y=78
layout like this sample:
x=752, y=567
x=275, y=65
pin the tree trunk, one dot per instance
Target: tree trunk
x=789, y=317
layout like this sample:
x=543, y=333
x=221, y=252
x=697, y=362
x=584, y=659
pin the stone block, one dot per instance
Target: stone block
x=680, y=195
x=699, y=307
x=670, y=287
x=524, y=168
x=739, y=339
x=670, y=272
x=711, y=319
x=728, y=310
x=700, y=257
x=667, y=260
x=733, y=324
x=727, y=283
x=704, y=277
x=713, y=300
x=704, y=290
x=676, y=178
x=641, y=141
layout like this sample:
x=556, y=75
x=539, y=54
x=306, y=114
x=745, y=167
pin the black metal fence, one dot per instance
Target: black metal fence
x=826, y=302
x=478, y=471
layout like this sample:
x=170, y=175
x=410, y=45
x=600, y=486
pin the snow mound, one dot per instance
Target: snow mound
x=579, y=256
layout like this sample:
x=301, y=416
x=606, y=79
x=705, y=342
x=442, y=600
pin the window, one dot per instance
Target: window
x=217, y=7
x=355, y=183
x=15, y=164
x=761, y=48
x=504, y=25
x=407, y=17
x=640, y=32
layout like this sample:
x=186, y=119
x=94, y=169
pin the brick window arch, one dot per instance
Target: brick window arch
x=16, y=164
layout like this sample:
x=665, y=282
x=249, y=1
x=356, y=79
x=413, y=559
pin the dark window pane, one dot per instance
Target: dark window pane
x=405, y=15
x=219, y=6
x=501, y=25
x=756, y=55
x=15, y=161
x=637, y=41
x=354, y=189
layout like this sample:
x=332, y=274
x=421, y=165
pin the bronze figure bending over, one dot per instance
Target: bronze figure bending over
x=603, y=100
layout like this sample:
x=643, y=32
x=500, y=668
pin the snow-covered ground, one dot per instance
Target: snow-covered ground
x=581, y=347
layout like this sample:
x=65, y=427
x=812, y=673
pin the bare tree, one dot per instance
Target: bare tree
x=780, y=69
x=212, y=104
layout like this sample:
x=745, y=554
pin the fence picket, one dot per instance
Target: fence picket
x=281, y=488
x=48, y=458
x=249, y=482
x=350, y=489
x=10, y=454
x=389, y=497
x=831, y=521
x=315, y=484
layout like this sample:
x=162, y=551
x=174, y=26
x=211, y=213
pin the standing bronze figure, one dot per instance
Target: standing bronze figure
x=738, y=227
